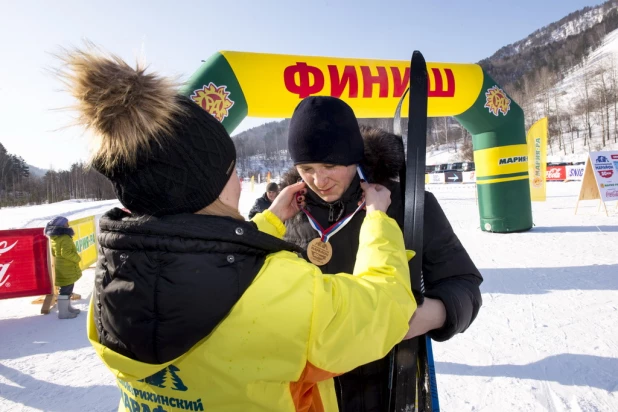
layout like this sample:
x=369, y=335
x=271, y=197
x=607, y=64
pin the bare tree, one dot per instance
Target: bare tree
x=445, y=125
x=603, y=90
x=466, y=151
x=563, y=118
x=613, y=96
x=546, y=81
x=571, y=128
x=587, y=102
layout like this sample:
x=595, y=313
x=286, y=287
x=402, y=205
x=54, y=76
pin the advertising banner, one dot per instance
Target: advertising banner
x=85, y=240
x=23, y=263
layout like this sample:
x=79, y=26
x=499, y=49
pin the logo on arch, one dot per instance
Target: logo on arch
x=214, y=99
x=497, y=101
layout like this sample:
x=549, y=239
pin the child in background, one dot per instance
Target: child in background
x=67, y=260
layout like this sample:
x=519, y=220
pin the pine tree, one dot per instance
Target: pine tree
x=178, y=383
x=158, y=379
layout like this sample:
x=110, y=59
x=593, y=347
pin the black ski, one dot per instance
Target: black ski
x=411, y=369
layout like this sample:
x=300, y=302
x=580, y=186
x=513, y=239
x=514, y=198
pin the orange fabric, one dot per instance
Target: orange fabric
x=305, y=392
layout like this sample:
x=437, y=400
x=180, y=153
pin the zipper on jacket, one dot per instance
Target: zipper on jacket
x=331, y=211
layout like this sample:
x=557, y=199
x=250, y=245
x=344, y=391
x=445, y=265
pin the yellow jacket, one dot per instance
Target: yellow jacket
x=292, y=330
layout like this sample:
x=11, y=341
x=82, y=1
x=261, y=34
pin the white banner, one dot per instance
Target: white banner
x=436, y=178
x=575, y=172
x=605, y=168
x=469, y=177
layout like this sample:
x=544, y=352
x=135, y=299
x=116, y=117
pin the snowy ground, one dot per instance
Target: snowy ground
x=38, y=216
x=545, y=339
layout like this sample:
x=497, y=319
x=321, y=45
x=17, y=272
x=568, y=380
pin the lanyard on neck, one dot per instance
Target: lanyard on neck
x=327, y=233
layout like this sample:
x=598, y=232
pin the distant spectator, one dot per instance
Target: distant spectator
x=66, y=260
x=264, y=202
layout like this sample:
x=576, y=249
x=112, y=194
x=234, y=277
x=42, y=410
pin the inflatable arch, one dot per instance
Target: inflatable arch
x=232, y=85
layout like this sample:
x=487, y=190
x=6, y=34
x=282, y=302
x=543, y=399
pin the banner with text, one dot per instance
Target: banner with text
x=24, y=267
x=605, y=168
x=575, y=172
x=537, y=160
x=85, y=240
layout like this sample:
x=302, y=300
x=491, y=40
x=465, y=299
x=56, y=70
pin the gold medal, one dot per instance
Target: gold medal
x=318, y=252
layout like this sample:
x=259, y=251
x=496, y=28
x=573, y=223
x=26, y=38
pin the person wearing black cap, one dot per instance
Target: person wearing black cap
x=263, y=202
x=195, y=308
x=330, y=152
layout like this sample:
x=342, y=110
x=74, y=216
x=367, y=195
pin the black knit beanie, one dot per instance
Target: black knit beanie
x=183, y=174
x=162, y=152
x=324, y=129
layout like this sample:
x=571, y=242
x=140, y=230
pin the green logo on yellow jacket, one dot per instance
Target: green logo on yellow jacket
x=160, y=379
x=146, y=400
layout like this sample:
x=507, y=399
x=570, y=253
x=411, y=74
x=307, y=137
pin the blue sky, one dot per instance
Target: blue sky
x=174, y=36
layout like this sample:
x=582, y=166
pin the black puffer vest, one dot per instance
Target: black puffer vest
x=163, y=284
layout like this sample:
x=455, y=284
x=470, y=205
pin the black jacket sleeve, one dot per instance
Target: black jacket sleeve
x=449, y=273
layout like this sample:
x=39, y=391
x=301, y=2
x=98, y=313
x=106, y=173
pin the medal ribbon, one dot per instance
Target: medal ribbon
x=325, y=234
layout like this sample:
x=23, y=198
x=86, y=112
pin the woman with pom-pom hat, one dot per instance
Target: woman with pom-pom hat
x=195, y=308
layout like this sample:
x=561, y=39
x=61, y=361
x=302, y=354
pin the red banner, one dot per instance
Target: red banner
x=556, y=173
x=23, y=263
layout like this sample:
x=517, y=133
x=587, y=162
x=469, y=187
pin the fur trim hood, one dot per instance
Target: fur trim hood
x=59, y=231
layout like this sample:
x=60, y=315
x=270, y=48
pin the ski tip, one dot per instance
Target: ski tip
x=418, y=74
x=417, y=55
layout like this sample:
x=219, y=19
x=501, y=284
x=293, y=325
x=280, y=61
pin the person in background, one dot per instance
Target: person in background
x=66, y=263
x=264, y=202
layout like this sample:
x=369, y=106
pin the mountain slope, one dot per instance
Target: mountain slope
x=36, y=172
x=556, y=47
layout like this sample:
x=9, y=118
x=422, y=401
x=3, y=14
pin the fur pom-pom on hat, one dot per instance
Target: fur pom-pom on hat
x=163, y=153
x=126, y=108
